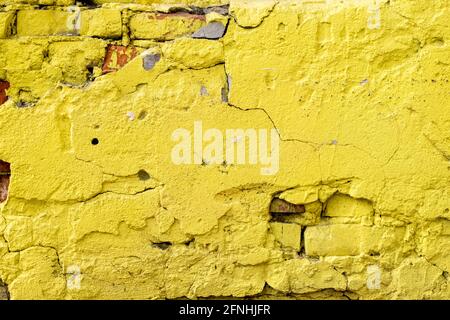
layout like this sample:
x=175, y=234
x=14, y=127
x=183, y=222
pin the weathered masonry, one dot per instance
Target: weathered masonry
x=93, y=207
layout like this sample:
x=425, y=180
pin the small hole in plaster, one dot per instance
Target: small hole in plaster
x=439, y=42
x=143, y=175
x=142, y=115
x=281, y=26
x=94, y=141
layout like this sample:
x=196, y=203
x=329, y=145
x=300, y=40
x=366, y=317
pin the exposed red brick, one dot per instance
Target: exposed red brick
x=5, y=167
x=118, y=56
x=186, y=15
x=281, y=206
x=5, y=174
x=4, y=85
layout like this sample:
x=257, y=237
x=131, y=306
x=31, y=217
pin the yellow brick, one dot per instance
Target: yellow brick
x=416, y=279
x=341, y=205
x=164, y=26
x=6, y=20
x=46, y=22
x=106, y=23
x=287, y=234
x=194, y=53
x=360, y=110
x=350, y=239
x=302, y=275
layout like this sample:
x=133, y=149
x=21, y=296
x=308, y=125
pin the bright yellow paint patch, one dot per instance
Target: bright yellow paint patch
x=97, y=208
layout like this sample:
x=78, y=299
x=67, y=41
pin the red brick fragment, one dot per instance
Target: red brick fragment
x=118, y=56
x=4, y=85
x=282, y=206
x=5, y=174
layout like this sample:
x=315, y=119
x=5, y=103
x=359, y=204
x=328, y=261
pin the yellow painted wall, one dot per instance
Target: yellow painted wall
x=359, y=95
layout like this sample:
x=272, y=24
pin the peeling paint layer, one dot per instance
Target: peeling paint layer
x=348, y=101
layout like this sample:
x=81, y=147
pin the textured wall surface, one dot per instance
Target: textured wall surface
x=99, y=198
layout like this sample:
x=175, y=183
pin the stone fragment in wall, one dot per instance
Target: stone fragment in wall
x=48, y=22
x=213, y=30
x=149, y=60
x=287, y=234
x=165, y=26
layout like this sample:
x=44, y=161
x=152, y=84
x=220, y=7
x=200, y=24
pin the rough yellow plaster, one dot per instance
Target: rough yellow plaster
x=41, y=2
x=202, y=3
x=105, y=23
x=37, y=69
x=155, y=26
x=97, y=209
